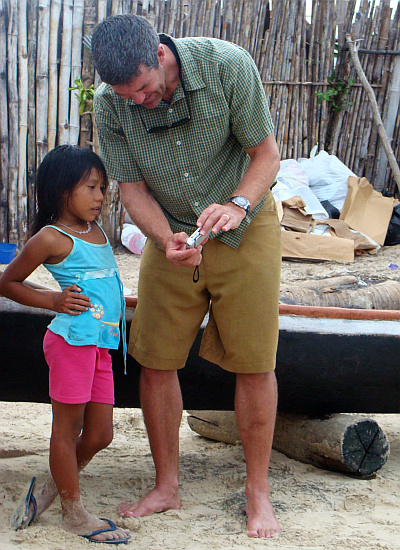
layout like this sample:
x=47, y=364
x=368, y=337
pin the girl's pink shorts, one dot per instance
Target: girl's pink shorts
x=78, y=374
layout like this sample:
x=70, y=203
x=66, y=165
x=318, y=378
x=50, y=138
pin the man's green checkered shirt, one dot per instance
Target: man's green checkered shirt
x=190, y=166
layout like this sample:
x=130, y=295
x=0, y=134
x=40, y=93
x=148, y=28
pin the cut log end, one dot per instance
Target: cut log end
x=365, y=447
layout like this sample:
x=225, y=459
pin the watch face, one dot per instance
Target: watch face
x=241, y=201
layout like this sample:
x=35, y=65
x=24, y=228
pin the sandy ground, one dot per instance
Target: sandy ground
x=317, y=509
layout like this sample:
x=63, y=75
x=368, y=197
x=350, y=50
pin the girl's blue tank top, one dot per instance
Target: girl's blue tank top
x=92, y=267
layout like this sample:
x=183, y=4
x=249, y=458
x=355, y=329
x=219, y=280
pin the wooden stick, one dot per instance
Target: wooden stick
x=377, y=117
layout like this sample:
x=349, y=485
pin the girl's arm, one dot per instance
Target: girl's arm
x=40, y=248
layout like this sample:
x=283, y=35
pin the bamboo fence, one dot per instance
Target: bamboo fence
x=42, y=51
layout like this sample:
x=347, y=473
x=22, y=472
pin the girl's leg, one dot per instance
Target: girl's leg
x=88, y=443
x=79, y=432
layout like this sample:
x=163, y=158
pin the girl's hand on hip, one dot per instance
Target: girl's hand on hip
x=70, y=301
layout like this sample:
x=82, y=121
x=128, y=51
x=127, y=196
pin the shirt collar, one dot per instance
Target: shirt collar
x=189, y=71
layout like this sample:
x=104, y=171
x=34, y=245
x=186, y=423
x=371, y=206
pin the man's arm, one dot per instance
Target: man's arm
x=263, y=167
x=148, y=216
x=261, y=173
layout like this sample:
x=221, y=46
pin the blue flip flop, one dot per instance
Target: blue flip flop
x=112, y=527
x=23, y=516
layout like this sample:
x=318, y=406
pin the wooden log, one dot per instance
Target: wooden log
x=330, y=283
x=352, y=444
x=383, y=296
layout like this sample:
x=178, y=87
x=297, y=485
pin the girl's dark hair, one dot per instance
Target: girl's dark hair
x=61, y=170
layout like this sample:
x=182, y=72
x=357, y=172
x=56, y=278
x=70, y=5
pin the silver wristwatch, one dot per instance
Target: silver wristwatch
x=241, y=201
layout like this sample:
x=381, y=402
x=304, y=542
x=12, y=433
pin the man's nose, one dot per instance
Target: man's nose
x=138, y=98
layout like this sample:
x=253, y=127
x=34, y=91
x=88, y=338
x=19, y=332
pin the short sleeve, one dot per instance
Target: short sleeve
x=250, y=117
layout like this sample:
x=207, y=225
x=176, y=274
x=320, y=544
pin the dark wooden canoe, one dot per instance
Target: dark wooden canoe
x=348, y=362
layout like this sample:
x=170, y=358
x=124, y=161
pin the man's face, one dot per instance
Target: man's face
x=147, y=89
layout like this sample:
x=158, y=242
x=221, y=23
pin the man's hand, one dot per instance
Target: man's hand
x=221, y=217
x=177, y=253
x=70, y=301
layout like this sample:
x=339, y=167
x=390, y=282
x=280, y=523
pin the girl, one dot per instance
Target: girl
x=67, y=240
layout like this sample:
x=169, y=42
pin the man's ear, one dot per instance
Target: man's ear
x=160, y=54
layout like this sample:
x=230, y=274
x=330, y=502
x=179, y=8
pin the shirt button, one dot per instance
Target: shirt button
x=186, y=174
x=170, y=111
x=178, y=142
x=196, y=204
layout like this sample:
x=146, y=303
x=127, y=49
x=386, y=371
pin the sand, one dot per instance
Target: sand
x=317, y=509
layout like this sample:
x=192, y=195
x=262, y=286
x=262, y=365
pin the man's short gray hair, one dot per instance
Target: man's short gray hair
x=120, y=44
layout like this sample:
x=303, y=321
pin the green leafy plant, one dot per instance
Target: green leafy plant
x=337, y=93
x=85, y=96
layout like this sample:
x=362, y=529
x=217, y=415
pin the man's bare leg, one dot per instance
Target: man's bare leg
x=161, y=401
x=255, y=405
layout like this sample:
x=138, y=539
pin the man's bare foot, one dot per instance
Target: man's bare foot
x=157, y=500
x=261, y=520
x=78, y=521
x=35, y=499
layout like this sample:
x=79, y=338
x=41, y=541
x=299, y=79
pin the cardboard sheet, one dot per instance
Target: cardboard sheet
x=296, y=245
x=366, y=210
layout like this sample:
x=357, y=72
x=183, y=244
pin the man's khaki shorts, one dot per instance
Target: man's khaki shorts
x=243, y=286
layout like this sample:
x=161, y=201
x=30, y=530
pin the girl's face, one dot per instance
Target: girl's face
x=84, y=203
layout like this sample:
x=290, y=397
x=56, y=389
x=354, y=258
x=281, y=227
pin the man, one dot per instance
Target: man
x=185, y=128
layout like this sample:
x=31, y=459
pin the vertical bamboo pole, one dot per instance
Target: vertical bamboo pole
x=42, y=79
x=3, y=125
x=65, y=74
x=389, y=120
x=88, y=72
x=23, y=119
x=76, y=64
x=101, y=14
x=31, y=160
x=12, y=81
x=55, y=11
x=116, y=7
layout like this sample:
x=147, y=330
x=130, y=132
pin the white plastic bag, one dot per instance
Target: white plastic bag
x=328, y=177
x=291, y=174
x=132, y=238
